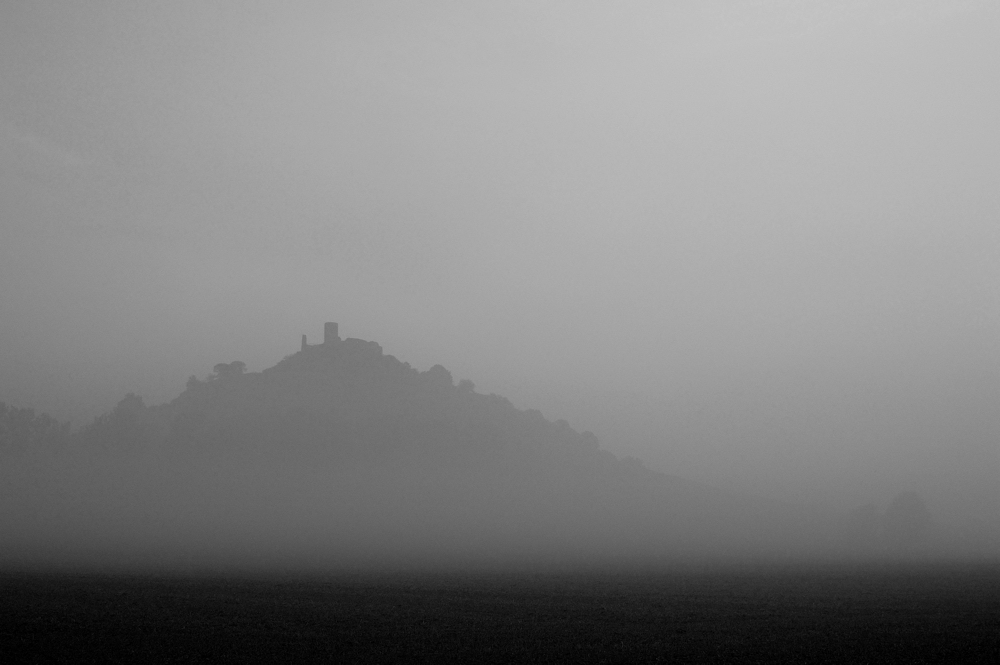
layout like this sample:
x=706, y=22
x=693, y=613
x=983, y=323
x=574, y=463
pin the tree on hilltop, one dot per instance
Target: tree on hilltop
x=229, y=370
x=23, y=428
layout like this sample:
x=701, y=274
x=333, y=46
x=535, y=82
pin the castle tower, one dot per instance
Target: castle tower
x=304, y=345
x=330, y=335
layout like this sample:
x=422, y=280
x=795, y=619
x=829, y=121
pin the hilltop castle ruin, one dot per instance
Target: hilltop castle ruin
x=330, y=335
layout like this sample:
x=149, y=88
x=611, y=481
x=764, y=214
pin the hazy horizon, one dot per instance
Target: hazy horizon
x=755, y=244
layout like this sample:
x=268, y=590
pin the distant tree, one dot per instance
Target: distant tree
x=129, y=407
x=123, y=426
x=864, y=526
x=229, y=370
x=906, y=519
x=467, y=386
x=23, y=428
x=439, y=377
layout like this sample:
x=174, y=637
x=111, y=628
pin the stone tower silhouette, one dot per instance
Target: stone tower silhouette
x=330, y=335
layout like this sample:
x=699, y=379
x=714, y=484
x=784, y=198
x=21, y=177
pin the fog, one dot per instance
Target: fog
x=754, y=244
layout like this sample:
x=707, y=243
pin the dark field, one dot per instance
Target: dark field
x=872, y=614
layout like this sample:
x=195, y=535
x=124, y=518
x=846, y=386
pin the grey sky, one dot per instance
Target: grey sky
x=750, y=240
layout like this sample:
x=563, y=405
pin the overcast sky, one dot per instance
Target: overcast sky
x=749, y=241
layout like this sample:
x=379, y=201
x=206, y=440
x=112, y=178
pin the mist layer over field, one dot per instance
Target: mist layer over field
x=752, y=244
x=342, y=458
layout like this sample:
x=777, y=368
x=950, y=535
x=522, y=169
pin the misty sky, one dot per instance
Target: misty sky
x=749, y=241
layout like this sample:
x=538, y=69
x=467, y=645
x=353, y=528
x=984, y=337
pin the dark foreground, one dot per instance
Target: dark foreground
x=871, y=614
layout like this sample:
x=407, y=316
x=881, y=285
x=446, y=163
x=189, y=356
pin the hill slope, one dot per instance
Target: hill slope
x=340, y=455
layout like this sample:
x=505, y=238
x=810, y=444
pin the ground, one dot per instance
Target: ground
x=855, y=614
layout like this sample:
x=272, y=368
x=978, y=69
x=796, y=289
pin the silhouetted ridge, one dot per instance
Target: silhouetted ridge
x=348, y=396
x=341, y=453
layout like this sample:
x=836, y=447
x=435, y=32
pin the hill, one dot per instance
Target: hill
x=343, y=456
